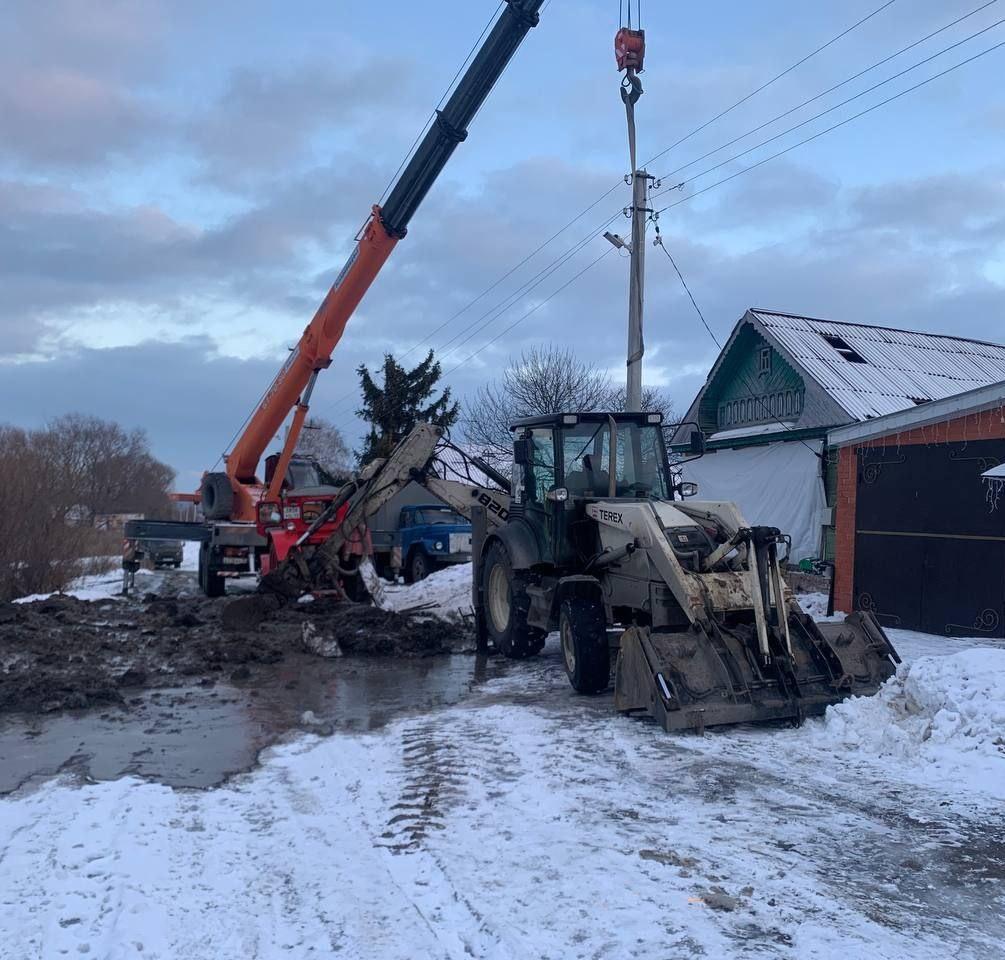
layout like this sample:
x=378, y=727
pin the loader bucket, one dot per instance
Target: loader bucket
x=710, y=676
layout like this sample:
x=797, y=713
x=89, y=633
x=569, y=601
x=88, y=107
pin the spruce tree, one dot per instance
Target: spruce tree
x=403, y=400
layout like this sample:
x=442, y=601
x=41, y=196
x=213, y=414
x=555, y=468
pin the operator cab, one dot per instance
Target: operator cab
x=566, y=456
x=304, y=477
x=564, y=461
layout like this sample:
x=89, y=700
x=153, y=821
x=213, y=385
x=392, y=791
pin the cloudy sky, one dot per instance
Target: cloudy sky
x=181, y=181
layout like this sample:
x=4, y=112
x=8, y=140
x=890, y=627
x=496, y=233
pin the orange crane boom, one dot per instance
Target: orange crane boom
x=387, y=224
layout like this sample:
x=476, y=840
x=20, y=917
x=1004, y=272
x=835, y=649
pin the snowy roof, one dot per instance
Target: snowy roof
x=995, y=473
x=872, y=371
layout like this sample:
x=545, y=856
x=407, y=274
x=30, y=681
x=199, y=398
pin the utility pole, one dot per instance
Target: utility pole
x=636, y=289
x=629, y=50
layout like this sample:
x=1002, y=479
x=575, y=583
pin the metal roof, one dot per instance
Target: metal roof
x=988, y=397
x=883, y=370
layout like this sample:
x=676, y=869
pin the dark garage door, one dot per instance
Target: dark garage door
x=929, y=546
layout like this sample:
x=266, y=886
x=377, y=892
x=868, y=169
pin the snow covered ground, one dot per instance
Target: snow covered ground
x=528, y=822
x=103, y=586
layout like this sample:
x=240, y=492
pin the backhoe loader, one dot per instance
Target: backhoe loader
x=592, y=536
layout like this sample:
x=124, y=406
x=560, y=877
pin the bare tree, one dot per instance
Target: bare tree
x=108, y=469
x=544, y=380
x=324, y=441
x=55, y=482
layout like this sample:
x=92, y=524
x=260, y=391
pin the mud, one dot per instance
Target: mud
x=64, y=653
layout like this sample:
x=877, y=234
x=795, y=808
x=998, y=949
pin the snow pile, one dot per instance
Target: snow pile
x=814, y=604
x=101, y=586
x=446, y=592
x=944, y=715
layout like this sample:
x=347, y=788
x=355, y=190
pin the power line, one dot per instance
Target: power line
x=774, y=79
x=845, y=82
x=841, y=123
x=607, y=193
x=615, y=186
x=532, y=310
x=823, y=113
x=539, y=278
x=508, y=301
x=755, y=396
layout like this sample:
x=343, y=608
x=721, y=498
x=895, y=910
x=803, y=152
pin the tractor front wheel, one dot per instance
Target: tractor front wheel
x=582, y=627
x=507, y=604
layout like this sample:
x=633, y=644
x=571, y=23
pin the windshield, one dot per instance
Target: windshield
x=639, y=468
x=303, y=474
x=431, y=515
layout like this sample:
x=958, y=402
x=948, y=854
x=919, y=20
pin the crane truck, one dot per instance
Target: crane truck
x=251, y=524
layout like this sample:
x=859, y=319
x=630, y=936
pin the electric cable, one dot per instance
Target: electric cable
x=820, y=133
x=586, y=210
x=848, y=80
x=823, y=113
x=786, y=428
x=532, y=310
x=774, y=79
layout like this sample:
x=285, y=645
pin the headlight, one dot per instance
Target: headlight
x=438, y=545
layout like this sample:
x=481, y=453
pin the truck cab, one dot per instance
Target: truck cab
x=306, y=492
x=424, y=537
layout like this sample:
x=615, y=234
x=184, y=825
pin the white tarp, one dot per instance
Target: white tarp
x=775, y=485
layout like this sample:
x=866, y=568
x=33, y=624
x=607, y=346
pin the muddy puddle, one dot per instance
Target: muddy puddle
x=198, y=736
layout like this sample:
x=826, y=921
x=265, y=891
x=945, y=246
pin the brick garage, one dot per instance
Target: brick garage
x=920, y=537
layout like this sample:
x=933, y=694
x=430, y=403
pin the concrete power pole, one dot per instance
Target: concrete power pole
x=636, y=289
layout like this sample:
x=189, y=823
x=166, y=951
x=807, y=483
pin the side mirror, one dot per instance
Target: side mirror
x=521, y=452
x=558, y=495
x=696, y=445
x=688, y=488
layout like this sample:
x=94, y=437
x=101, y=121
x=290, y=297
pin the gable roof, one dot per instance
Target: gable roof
x=883, y=369
x=853, y=372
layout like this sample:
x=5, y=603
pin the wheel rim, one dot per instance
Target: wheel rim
x=419, y=568
x=568, y=647
x=499, y=598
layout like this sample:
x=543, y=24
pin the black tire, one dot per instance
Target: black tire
x=419, y=566
x=507, y=604
x=217, y=496
x=210, y=582
x=582, y=626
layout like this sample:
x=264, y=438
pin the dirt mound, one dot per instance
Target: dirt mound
x=64, y=653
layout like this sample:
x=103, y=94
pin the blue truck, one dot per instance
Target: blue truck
x=414, y=539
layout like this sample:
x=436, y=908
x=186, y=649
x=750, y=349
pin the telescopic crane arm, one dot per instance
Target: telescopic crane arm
x=385, y=226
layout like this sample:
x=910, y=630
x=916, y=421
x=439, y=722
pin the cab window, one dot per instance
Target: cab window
x=541, y=469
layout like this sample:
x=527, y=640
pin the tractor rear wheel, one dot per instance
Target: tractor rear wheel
x=582, y=627
x=507, y=604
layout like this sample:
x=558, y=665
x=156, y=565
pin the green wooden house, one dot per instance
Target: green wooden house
x=782, y=381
